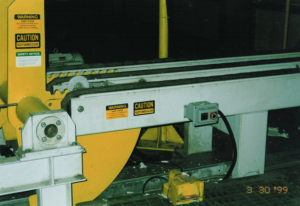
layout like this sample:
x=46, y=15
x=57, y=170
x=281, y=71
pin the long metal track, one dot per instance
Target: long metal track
x=159, y=64
x=143, y=85
x=215, y=65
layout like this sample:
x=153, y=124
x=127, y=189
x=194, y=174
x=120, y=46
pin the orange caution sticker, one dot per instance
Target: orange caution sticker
x=27, y=21
x=116, y=111
x=142, y=108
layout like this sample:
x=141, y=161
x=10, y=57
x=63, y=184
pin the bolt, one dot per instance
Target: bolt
x=78, y=86
x=20, y=128
x=44, y=139
x=59, y=137
x=58, y=122
x=43, y=124
x=80, y=109
x=50, y=104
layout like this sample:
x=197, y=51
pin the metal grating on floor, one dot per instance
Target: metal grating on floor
x=258, y=190
x=261, y=193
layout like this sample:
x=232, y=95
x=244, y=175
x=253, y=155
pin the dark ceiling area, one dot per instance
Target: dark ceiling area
x=118, y=30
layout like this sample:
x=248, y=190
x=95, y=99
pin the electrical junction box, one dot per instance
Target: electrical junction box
x=202, y=113
x=68, y=59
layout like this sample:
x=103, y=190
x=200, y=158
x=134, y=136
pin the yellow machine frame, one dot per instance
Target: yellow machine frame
x=106, y=153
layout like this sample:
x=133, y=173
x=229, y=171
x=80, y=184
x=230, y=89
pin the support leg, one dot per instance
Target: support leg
x=58, y=195
x=250, y=132
x=197, y=139
x=2, y=140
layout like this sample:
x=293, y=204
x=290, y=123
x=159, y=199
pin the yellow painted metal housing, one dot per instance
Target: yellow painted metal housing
x=21, y=84
x=182, y=188
x=106, y=154
x=163, y=138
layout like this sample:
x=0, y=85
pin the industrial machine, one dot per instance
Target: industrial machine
x=183, y=189
x=98, y=111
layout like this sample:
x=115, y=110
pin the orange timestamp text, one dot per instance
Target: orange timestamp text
x=268, y=190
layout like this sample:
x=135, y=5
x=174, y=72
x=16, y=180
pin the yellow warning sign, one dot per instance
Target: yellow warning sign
x=27, y=21
x=26, y=41
x=142, y=108
x=116, y=111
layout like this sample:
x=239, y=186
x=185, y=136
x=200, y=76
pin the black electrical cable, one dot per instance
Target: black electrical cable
x=234, y=145
x=234, y=153
x=152, y=179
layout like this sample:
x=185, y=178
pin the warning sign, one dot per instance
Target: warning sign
x=116, y=111
x=142, y=108
x=27, y=41
x=28, y=59
x=27, y=21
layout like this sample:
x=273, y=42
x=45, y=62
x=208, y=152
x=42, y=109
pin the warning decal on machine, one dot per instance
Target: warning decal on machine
x=116, y=111
x=142, y=108
x=28, y=59
x=27, y=21
x=27, y=41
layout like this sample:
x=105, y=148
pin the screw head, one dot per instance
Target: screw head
x=43, y=124
x=58, y=122
x=78, y=85
x=50, y=104
x=44, y=139
x=59, y=137
x=20, y=128
x=80, y=109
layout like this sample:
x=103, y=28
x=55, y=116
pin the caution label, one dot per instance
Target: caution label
x=27, y=41
x=27, y=21
x=142, y=108
x=28, y=59
x=116, y=111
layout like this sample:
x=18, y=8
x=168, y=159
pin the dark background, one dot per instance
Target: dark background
x=127, y=30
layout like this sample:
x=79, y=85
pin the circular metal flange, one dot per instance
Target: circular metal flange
x=78, y=82
x=50, y=130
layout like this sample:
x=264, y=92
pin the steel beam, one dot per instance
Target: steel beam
x=174, y=64
x=197, y=139
x=234, y=97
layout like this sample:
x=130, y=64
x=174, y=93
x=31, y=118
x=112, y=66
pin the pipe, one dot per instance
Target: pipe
x=163, y=29
x=29, y=105
x=287, y=11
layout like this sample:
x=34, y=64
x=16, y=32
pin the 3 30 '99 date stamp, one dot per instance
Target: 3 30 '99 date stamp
x=267, y=189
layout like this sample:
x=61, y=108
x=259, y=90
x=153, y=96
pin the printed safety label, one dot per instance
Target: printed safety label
x=27, y=41
x=142, y=108
x=27, y=21
x=116, y=111
x=28, y=59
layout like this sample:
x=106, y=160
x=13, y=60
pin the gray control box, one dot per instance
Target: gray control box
x=202, y=113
